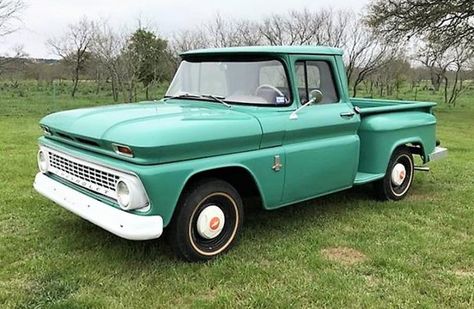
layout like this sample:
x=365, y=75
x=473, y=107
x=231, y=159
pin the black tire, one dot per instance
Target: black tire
x=184, y=236
x=385, y=188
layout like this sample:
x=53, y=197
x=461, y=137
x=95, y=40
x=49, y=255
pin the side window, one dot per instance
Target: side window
x=301, y=81
x=313, y=75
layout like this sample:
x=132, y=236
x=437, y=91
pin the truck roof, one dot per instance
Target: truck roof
x=308, y=49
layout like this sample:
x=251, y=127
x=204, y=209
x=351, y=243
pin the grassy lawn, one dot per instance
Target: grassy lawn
x=344, y=250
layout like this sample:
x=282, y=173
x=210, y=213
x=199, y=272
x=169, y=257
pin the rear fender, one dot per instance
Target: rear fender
x=377, y=161
x=381, y=134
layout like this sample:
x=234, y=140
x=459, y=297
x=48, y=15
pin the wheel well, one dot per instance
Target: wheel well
x=238, y=177
x=416, y=148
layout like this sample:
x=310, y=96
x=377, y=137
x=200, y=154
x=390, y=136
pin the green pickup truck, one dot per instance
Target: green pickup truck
x=272, y=123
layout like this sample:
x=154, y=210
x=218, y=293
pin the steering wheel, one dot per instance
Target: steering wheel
x=269, y=87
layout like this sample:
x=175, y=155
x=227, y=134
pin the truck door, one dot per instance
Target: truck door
x=321, y=145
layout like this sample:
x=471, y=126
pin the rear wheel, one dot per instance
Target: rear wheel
x=207, y=221
x=398, y=177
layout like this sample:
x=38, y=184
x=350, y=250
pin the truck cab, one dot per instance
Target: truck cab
x=275, y=123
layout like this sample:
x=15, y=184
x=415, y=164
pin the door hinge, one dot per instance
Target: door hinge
x=277, y=163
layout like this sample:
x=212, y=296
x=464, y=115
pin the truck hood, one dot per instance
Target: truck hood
x=158, y=132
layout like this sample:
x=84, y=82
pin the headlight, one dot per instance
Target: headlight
x=43, y=161
x=123, y=194
x=130, y=194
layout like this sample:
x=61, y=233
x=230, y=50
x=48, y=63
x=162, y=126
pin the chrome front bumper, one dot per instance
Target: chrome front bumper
x=438, y=153
x=116, y=221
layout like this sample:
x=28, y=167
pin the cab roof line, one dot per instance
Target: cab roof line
x=309, y=49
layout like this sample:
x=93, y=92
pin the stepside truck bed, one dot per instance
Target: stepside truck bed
x=374, y=106
x=387, y=124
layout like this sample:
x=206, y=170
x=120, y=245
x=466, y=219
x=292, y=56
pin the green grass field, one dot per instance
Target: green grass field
x=344, y=250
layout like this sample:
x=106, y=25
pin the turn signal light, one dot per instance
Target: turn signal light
x=123, y=150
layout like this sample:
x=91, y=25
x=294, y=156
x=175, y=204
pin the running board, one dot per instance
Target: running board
x=362, y=178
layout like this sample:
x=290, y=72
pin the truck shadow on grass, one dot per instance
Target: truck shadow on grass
x=274, y=224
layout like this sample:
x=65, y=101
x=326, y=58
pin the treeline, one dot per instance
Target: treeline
x=379, y=59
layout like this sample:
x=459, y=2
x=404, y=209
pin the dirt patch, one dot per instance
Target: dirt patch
x=344, y=255
x=210, y=294
x=464, y=273
x=371, y=281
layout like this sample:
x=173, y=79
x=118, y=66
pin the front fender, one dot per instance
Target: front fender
x=165, y=183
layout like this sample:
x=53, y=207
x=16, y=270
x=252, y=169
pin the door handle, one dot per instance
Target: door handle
x=347, y=114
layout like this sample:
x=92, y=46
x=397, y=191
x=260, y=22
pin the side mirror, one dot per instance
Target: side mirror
x=315, y=96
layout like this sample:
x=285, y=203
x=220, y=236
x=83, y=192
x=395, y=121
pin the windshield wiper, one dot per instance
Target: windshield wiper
x=216, y=98
x=183, y=96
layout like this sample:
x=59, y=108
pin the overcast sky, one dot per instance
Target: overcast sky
x=46, y=18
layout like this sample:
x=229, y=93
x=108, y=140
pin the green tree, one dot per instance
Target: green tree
x=443, y=22
x=152, y=61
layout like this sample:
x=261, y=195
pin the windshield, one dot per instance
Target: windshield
x=246, y=82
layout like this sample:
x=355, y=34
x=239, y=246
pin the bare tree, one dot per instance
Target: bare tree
x=459, y=57
x=444, y=62
x=223, y=32
x=188, y=40
x=364, y=57
x=336, y=27
x=218, y=32
x=294, y=28
x=432, y=57
x=9, y=14
x=305, y=27
x=107, y=47
x=247, y=33
x=73, y=48
x=365, y=52
x=391, y=76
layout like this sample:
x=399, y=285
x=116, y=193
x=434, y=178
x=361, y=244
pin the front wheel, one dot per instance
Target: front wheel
x=398, y=177
x=207, y=221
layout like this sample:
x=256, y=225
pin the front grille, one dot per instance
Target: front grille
x=84, y=174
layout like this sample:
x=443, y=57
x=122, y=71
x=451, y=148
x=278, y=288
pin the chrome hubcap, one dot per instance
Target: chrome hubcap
x=399, y=174
x=210, y=222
